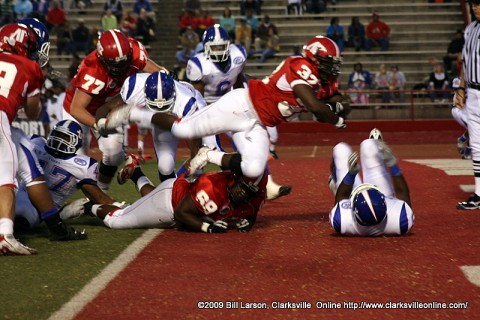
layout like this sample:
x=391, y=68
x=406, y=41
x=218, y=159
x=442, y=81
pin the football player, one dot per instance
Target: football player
x=99, y=78
x=54, y=161
x=20, y=85
x=206, y=204
x=158, y=92
x=43, y=38
x=217, y=71
x=380, y=205
x=287, y=92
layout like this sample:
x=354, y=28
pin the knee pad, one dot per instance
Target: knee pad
x=253, y=169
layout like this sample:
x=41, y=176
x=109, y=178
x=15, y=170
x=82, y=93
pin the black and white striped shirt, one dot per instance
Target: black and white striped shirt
x=471, y=54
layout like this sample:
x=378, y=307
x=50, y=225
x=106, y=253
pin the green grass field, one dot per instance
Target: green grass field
x=33, y=287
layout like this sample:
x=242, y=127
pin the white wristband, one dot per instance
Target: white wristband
x=205, y=227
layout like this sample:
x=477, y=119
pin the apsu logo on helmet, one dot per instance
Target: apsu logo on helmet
x=315, y=47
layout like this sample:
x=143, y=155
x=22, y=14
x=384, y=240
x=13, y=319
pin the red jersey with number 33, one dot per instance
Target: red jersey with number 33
x=273, y=97
x=20, y=77
x=92, y=78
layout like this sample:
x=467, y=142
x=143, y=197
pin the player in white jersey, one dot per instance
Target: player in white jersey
x=374, y=207
x=159, y=92
x=216, y=71
x=64, y=172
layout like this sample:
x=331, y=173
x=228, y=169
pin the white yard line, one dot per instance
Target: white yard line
x=314, y=152
x=472, y=273
x=97, y=284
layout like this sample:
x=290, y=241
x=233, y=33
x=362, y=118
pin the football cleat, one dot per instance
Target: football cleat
x=472, y=203
x=118, y=117
x=199, y=161
x=462, y=143
x=275, y=190
x=375, y=134
x=74, y=209
x=127, y=171
x=11, y=246
x=467, y=153
x=274, y=154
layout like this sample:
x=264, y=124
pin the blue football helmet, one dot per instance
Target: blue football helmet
x=216, y=44
x=368, y=204
x=160, y=92
x=43, y=38
x=65, y=138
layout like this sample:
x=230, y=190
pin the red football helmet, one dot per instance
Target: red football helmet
x=19, y=39
x=115, y=52
x=325, y=53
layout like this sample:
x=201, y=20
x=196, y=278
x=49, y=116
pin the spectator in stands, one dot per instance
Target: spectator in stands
x=92, y=42
x=56, y=17
x=263, y=34
x=382, y=83
x=378, y=34
x=356, y=34
x=336, y=33
x=116, y=7
x=398, y=82
x=255, y=5
x=73, y=67
x=272, y=46
x=359, y=84
x=227, y=21
x=65, y=40
x=188, y=19
x=54, y=105
x=40, y=10
x=294, y=6
x=315, y=6
x=252, y=21
x=7, y=10
x=454, y=54
x=243, y=34
x=142, y=4
x=438, y=84
x=189, y=40
x=23, y=9
x=193, y=5
x=205, y=20
x=109, y=21
x=80, y=36
x=145, y=28
x=128, y=24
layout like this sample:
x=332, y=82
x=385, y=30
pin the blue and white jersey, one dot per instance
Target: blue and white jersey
x=64, y=176
x=217, y=82
x=187, y=98
x=399, y=220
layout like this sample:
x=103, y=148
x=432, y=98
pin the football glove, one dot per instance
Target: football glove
x=387, y=154
x=243, y=225
x=218, y=226
x=62, y=232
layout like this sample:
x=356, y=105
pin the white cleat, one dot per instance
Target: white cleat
x=11, y=246
x=275, y=191
x=118, y=117
x=199, y=161
x=74, y=209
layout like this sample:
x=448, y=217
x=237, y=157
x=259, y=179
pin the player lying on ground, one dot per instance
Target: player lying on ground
x=207, y=204
x=52, y=163
x=373, y=207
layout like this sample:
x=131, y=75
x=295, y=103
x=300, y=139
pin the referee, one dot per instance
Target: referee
x=467, y=96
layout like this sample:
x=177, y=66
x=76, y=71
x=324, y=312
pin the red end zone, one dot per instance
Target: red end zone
x=292, y=255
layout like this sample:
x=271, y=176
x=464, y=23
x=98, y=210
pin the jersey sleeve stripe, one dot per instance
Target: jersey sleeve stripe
x=337, y=220
x=404, y=227
x=131, y=85
x=188, y=106
x=197, y=62
x=34, y=170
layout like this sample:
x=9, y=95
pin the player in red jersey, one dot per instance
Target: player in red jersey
x=99, y=78
x=20, y=82
x=290, y=90
x=207, y=204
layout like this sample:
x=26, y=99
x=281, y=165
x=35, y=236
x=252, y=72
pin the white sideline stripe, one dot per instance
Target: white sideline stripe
x=467, y=187
x=452, y=167
x=472, y=273
x=97, y=284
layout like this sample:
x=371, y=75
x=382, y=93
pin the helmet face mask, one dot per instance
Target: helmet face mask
x=42, y=33
x=240, y=191
x=368, y=205
x=160, y=92
x=115, y=52
x=65, y=138
x=216, y=43
x=325, y=53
